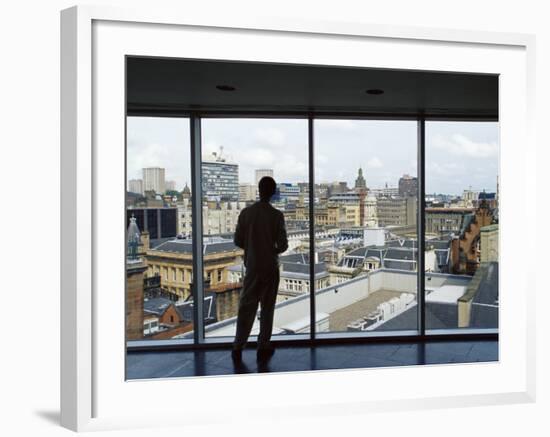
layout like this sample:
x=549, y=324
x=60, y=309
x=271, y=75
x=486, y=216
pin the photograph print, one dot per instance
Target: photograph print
x=291, y=218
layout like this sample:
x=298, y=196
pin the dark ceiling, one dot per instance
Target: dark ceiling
x=177, y=86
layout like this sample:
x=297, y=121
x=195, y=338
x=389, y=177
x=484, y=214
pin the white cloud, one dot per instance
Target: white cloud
x=342, y=146
x=435, y=168
x=460, y=145
x=444, y=169
x=257, y=158
x=173, y=160
x=146, y=155
x=321, y=159
x=287, y=168
x=374, y=162
x=270, y=135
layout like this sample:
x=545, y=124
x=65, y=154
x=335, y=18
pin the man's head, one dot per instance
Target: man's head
x=267, y=187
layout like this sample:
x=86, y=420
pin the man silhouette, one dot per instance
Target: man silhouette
x=261, y=233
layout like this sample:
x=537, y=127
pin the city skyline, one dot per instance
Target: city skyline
x=459, y=156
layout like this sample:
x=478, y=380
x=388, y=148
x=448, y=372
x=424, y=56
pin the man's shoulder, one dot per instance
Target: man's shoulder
x=259, y=205
x=245, y=210
x=275, y=211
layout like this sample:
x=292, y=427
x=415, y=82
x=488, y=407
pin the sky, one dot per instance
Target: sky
x=459, y=155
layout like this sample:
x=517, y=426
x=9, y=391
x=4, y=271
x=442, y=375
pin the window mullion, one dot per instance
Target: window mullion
x=196, y=193
x=421, y=228
x=311, y=184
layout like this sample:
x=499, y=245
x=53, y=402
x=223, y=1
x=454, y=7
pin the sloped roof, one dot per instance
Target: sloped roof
x=185, y=309
x=401, y=254
x=303, y=268
x=484, y=311
x=186, y=246
x=157, y=305
x=438, y=316
x=302, y=258
x=405, y=243
x=399, y=265
x=466, y=221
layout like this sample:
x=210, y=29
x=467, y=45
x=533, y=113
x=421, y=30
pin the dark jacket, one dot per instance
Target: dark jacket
x=261, y=233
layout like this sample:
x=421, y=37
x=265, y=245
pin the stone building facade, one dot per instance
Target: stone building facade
x=465, y=248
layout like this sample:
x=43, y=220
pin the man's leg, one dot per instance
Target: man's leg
x=248, y=307
x=267, y=301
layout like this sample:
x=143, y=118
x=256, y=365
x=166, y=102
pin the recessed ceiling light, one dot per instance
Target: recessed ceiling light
x=225, y=87
x=375, y=91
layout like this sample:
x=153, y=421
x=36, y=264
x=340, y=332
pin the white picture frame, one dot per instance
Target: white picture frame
x=93, y=394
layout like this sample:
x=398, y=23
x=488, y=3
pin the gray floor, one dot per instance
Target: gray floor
x=291, y=359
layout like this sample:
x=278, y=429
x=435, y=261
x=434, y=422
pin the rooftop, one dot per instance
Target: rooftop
x=184, y=245
x=484, y=312
x=450, y=210
x=157, y=305
x=340, y=318
x=361, y=295
x=437, y=316
x=445, y=294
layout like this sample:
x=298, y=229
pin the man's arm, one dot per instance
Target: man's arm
x=239, y=236
x=282, y=242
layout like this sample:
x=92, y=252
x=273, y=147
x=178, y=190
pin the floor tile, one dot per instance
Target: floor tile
x=296, y=359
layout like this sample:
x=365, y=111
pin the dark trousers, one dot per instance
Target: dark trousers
x=258, y=288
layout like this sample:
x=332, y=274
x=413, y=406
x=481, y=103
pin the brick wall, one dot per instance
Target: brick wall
x=134, y=301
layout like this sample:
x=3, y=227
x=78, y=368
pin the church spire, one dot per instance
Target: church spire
x=360, y=181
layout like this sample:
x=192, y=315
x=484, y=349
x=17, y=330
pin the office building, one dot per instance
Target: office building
x=287, y=192
x=220, y=217
x=172, y=260
x=220, y=179
x=247, y=192
x=135, y=186
x=446, y=220
x=386, y=191
x=408, y=186
x=159, y=222
x=469, y=197
x=396, y=211
x=154, y=180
